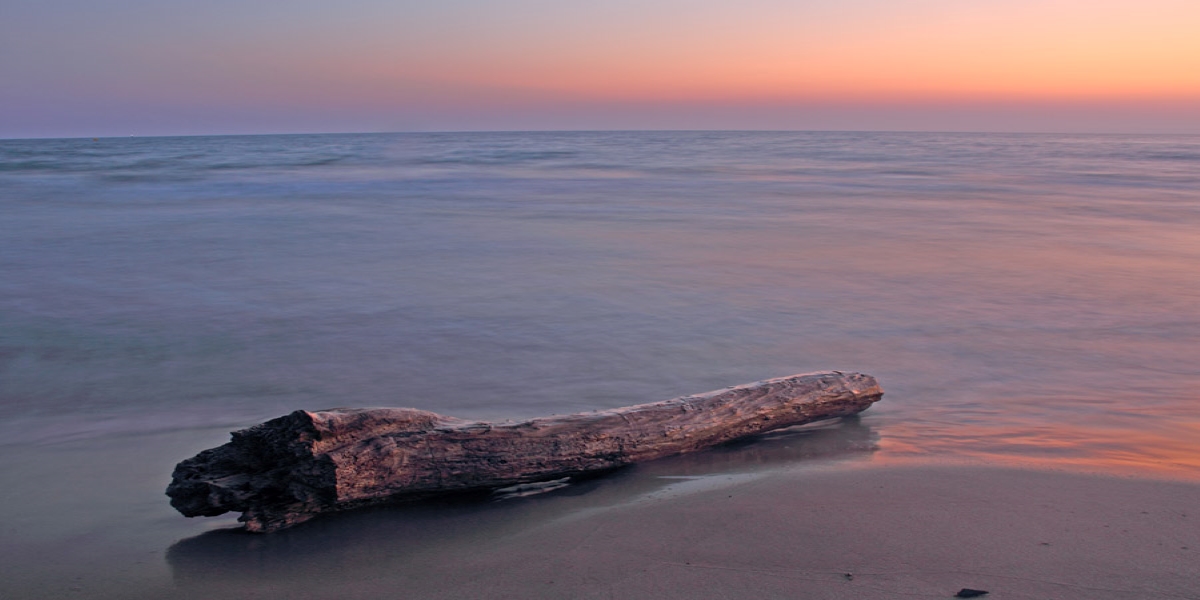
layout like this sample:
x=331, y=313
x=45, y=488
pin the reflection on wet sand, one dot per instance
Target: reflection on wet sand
x=405, y=536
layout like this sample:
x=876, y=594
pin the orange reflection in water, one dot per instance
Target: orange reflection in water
x=1171, y=450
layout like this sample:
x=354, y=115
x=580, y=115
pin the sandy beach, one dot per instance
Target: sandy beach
x=847, y=531
x=817, y=512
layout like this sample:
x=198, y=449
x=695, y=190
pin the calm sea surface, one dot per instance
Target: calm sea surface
x=1021, y=298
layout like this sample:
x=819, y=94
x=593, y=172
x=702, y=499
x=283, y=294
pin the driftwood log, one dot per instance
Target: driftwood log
x=289, y=469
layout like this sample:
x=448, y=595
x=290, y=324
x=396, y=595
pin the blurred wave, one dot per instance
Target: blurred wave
x=1013, y=293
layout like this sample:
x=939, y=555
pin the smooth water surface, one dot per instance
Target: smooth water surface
x=1021, y=298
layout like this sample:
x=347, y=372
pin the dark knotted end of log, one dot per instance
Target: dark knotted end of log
x=287, y=470
x=269, y=464
x=276, y=473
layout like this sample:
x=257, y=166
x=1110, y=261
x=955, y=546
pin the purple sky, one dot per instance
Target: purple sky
x=136, y=67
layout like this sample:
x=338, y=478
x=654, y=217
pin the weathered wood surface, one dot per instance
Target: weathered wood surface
x=289, y=469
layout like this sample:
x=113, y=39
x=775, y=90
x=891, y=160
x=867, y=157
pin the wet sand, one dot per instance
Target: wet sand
x=815, y=512
x=810, y=513
x=855, y=531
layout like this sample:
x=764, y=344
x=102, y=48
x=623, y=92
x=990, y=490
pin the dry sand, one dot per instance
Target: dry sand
x=853, y=530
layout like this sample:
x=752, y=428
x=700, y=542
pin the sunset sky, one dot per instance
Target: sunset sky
x=154, y=67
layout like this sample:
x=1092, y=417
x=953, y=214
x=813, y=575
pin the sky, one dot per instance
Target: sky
x=81, y=68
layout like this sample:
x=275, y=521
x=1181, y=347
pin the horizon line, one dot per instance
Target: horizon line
x=598, y=130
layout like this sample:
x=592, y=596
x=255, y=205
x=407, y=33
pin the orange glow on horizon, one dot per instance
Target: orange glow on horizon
x=1026, y=51
x=622, y=64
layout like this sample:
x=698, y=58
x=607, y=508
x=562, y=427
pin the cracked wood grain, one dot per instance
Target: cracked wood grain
x=287, y=470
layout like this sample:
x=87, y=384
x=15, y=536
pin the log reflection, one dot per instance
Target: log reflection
x=412, y=539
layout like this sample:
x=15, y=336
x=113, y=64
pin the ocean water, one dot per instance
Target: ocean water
x=1023, y=299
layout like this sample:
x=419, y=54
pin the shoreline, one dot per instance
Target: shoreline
x=850, y=531
x=781, y=516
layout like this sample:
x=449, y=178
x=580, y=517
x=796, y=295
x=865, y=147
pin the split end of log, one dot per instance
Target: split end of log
x=290, y=469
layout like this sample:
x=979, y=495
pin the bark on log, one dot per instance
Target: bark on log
x=287, y=470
